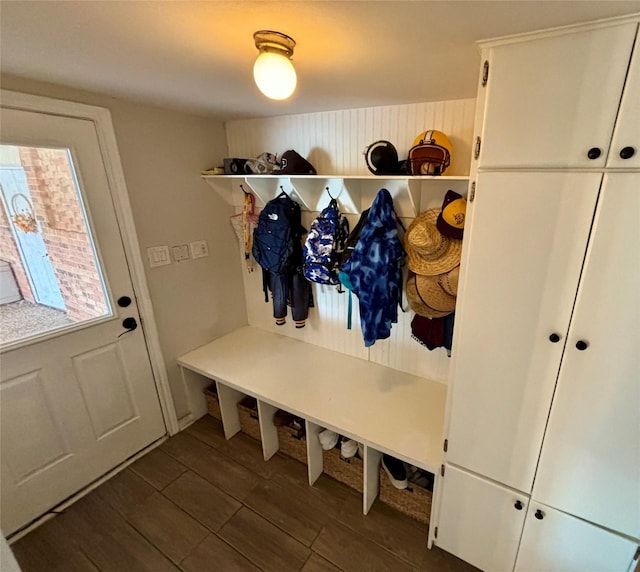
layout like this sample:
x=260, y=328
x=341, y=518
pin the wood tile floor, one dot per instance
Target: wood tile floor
x=200, y=503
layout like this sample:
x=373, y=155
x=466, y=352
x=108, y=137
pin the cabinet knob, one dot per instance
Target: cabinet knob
x=627, y=152
x=582, y=345
x=554, y=338
x=539, y=514
x=518, y=505
x=594, y=153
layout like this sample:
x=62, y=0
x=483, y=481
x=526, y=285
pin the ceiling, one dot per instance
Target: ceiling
x=198, y=56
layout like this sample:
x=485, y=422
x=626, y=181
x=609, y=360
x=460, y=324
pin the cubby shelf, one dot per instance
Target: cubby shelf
x=386, y=410
x=354, y=193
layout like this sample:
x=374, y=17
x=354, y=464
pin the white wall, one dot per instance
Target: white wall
x=162, y=154
x=333, y=141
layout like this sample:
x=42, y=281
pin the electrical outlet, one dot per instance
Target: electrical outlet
x=199, y=248
x=158, y=256
x=180, y=252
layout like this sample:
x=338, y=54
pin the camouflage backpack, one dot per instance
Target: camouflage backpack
x=324, y=245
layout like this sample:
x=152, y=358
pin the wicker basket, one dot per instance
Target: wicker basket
x=347, y=471
x=213, y=406
x=413, y=501
x=248, y=413
x=293, y=442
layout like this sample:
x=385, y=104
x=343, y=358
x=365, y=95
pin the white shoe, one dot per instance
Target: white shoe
x=349, y=448
x=328, y=439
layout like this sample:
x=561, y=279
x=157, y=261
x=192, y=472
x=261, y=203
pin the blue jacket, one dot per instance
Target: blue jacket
x=374, y=270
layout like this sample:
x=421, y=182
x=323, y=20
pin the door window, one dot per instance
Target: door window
x=50, y=276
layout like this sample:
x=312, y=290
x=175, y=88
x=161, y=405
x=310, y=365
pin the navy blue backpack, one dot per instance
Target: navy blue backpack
x=277, y=243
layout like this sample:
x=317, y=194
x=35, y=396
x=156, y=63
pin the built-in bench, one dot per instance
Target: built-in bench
x=386, y=410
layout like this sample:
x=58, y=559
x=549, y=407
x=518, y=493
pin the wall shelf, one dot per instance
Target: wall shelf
x=354, y=193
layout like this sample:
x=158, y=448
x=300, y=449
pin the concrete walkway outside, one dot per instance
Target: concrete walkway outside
x=22, y=319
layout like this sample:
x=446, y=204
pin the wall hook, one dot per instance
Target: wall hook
x=329, y=193
x=242, y=187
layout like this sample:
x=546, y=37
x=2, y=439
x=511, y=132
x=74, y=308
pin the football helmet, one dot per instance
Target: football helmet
x=382, y=158
x=430, y=154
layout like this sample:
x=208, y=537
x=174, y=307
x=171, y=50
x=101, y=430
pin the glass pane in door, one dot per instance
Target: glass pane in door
x=50, y=277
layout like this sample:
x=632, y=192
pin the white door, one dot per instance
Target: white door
x=590, y=462
x=77, y=401
x=480, y=521
x=551, y=100
x=557, y=542
x=525, y=247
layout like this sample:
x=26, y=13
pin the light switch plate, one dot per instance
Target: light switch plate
x=158, y=256
x=199, y=248
x=180, y=252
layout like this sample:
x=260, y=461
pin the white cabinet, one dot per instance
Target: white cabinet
x=480, y=521
x=625, y=146
x=545, y=381
x=562, y=99
x=524, y=246
x=590, y=462
x=556, y=542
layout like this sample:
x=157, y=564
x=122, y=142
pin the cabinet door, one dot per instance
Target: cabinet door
x=524, y=248
x=480, y=522
x=550, y=100
x=627, y=131
x=558, y=542
x=590, y=462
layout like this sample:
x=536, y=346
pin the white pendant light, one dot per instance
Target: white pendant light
x=273, y=71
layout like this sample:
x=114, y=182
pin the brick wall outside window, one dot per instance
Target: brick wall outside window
x=60, y=217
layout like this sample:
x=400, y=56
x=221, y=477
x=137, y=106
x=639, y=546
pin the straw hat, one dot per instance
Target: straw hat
x=427, y=298
x=428, y=251
x=449, y=281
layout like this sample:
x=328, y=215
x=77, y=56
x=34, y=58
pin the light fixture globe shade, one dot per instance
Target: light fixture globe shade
x=275, y=75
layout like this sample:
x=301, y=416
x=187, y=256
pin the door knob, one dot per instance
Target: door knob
x=124, y=301
x=554, y=338
x=582, y=345
x=594, y=153
x=518, y=505
x=129, y=324
x=627, y=152
x=539, y=514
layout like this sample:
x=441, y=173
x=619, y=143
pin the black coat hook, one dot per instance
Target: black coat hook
x=329, y=193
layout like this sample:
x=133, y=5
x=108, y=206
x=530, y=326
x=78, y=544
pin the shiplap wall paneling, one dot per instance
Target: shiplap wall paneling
x=432, y=192
x=334, y=141
x=400, y=351
x=327, y=323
